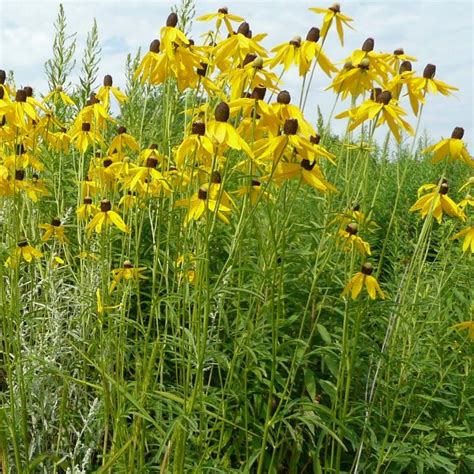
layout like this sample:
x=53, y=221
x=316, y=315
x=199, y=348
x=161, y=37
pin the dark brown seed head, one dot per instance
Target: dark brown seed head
x=107, y=162
x=153, y=146
x=151, y=162
x=374, y=93
x=87, y=200
x=444, y=188
x=108, y=80
x=34, y=177
x=28, y=91
x=384, y=97
x=202, y=194
x=313, y=34
x=216, y=177
x=172, y=19
x=244, y=29
x=290, y=127
x=258, y=93
x=255, y=182
x=202, y=71
x=368, y=45
x=296, y=41
x=56, y=222
x=105, y=205
x=2, y=94
x=315, y=139
x=19, y=175
x=22, y=243
x=306, y=165
x=3, y=76
x=336, y=8
x=398, y=52
x=198, y=128
x=155, y=46
x=405, y=67
x=92, y=100
x=352, y=228
x=222, y=112
x=127, y=264
x=284, y=97
x=249, y=58
x=429, y=71
x=121, y=130
x=367, y=268
x=86, y=127
x=356, y=207
x=458, y=132
x=223, y=10
x=20, y=96
x=20, y=149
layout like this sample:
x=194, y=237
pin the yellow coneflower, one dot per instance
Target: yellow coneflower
x=54, y=230
x=222, y=15
x=452, y=148
x=468, y=235
x=23, y=251
x=351, y=239
x=469, y=325
x=123, y=140
x=103, y=93
x=428, y=83
x=127, y=272
x=437, y=202
x=361, y=279
x=104, y=218
x=331, y=14
x=58, y=94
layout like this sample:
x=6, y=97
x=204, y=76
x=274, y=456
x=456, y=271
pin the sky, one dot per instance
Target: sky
x=437, y=32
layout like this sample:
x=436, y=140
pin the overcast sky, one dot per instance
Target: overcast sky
x=438, y=32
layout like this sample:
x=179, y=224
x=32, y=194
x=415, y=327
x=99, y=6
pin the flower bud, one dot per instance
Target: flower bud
x=290, y=127
x=430, y=71
x=28, y=91
x=313, y=34
x=284, y=97
x=172, y=20
x=296, y=41
x=222, y=112
x=458, y=133
x=368, y=45
x=127, y=264
x=105, y=205
x=258, y=93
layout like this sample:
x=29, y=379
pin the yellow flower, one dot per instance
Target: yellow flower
x=330, y=14
x=58, y=93
x=122, y=140
x=468, y=235
x=53, y=230
x=383, y=109
x=452, y=148
x=87, y=209
x=469, y=325
x=467, y=201
x=311, y=49
x=127, y=272
x=101, y=309
x=223, y=132
x=84, y=137
x=150, y=64
x=172, y=36
x=427, y=83
x=199, y=204
x=361, y=279
x=104, y=92
x=222, y=15
x=186, y=264
x=406, y=77
x=437, y=202
x=19, y=112
x=23, y=251
x=197, y=145
x=255, y=192
x=351, y=239
x=104, y=218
